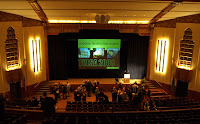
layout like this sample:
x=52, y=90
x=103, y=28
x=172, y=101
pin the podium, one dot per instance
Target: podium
x=127, y=78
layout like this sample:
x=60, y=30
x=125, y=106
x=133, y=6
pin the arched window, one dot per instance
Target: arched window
x=12, y=50
x=186, y=50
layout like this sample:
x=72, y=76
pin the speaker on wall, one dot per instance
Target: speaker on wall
x=181, y=89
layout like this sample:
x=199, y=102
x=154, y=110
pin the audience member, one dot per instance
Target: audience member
x=149, y=93
x=41, y=98
x=114, y=94
x=2, y=104
x=94, y=85
x=101, y=95
x=124, y=96
x=120, y=85
x=84, y=96
x=57, y=93
x=119, y=95
x=97, y=93
x=135, y=87
x=129, y=93
x=64, y=87
x=89, y=87
x=68, y=89
x=34, y=102
x=77, y=96
x=48, y=107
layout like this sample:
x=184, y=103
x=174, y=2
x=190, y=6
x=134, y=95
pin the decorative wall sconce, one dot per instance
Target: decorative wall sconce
x=186, y=50
x=35, y=55
x=12, y=53
x=162, y=54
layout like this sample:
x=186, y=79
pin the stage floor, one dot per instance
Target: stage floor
x=76, y=81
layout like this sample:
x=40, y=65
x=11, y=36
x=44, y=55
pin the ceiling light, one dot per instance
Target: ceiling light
x=92, y=21
x=71, y=21
x=128, y=22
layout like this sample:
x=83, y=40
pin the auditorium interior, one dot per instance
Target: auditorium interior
x=99, y=61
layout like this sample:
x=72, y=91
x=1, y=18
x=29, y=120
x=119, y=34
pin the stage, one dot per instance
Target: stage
x=104, y=83
x=77, y=81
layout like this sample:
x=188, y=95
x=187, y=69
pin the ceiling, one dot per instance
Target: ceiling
x=118, y=10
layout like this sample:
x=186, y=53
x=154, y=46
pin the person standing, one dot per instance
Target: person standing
x=114, y=94
x=119, y=95
x=120, y=85
x=75, y=95
x=64, y=91
x=94, y=85
x=97, y=93
x=68, y=89
x=88, y=88
x=48, y=107
x=58, y=92
x=84, y=95
x=135, y=87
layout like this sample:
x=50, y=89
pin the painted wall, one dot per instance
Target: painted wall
x=175, y=35
x=34, y=33
x=180, y=28
x=23, y=34
x=17, y=26
x=158, y=34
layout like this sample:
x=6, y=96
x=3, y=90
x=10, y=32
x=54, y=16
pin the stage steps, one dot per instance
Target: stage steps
x=150, y=85
x=157, y=91
x=44, y=88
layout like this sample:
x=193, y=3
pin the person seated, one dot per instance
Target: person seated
x=41, y=98
x=35, y=102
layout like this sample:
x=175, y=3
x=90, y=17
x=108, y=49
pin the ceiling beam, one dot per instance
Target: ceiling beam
x=38, y=9
x=164, y=12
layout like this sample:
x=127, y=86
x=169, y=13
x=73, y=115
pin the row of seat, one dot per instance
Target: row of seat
x=177, y=102
x=101, y=107
x=13, y=118
x=189, y=116
x=129, y=106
